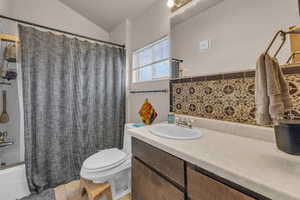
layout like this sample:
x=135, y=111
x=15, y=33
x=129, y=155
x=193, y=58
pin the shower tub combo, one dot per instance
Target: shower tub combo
x=13, y=184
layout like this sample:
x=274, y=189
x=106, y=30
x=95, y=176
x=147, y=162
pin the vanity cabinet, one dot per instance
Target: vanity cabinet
x=163, y=163
x=202, y=187
x=148, y=185
x=158, y=175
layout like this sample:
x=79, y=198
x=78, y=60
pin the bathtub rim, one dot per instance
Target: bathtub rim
x=12, y=165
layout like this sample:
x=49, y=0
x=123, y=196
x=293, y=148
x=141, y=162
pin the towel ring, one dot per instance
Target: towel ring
x=292, y=56
x=279, y=33
x=293, y=30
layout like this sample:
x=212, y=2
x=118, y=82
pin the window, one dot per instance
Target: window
x=152, y=62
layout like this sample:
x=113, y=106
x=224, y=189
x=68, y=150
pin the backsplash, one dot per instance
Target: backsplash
x=229, y=97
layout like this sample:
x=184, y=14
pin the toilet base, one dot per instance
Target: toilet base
x=95, y=191
x=120, y=180
x=120, y=184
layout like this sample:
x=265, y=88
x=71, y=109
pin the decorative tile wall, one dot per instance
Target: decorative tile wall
x=229, y=97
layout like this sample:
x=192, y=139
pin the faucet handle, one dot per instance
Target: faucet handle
x=5, y=134
x=190, y=122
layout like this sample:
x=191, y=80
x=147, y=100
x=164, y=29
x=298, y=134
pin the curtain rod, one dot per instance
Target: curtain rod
x=61, y=31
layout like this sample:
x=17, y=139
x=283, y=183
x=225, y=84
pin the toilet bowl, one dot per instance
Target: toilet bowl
x=112, y=166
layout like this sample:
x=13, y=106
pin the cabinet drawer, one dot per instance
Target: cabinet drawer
x=147, y=185
x=166, y=164
x=201, y=187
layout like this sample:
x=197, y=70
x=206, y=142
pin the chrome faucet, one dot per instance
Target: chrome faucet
x=184, y=122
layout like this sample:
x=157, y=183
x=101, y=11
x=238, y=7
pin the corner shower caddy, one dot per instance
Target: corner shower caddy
x=14, y=39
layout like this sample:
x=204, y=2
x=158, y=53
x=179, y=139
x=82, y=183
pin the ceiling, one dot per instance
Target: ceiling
x=108, y=13
x=192, y=9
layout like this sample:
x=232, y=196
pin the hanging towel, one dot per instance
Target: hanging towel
x=261, y=94
x=272, y=96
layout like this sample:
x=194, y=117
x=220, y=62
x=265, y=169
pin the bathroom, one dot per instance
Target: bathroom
x=168, y=111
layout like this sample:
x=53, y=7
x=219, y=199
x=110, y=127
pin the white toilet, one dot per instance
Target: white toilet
x=112, y=166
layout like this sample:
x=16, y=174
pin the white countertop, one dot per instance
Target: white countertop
x=254, y=164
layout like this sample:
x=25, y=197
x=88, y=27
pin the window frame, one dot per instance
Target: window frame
x=136, y=67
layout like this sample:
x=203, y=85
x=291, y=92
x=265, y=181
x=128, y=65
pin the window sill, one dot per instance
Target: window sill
x=151, y=81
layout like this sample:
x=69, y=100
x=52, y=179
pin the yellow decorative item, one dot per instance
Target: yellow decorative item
x=147, y=113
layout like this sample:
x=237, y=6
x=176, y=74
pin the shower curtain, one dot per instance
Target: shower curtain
x=74, y=104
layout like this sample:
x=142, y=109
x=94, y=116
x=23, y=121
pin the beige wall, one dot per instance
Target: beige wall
x=160, y=101
x=122, y=34
x=4, y=6
x=239, y=31
x=118, y=34
x=136, y=33
x=54, y=14
x=152, y=25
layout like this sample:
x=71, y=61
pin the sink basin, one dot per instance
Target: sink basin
x=172, y=131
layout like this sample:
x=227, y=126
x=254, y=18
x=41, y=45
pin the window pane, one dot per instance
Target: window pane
x=161, y=51
x=145, y=74
x=135, y=77
x=135, y=60
x=145, y=57
x=161, y=69
x=143, y=62
x=157, y=52
x=166, y=49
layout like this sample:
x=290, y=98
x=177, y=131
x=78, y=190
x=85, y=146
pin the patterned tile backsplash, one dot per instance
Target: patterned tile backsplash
x=229, y=97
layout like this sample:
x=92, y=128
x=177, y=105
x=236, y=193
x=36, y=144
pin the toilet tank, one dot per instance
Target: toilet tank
x=127, y=137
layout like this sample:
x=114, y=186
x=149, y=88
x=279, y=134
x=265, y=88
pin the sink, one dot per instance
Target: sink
x=172, y=131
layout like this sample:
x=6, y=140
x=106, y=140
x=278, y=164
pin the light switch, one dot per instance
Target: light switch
x=204, y=45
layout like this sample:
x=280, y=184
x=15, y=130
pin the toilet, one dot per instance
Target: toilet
x=112, y=166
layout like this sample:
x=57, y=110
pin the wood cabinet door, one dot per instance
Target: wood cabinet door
x=201, y=187
x=147, y=185
x=165, y=163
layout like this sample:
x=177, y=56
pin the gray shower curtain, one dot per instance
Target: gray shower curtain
x=74, y=104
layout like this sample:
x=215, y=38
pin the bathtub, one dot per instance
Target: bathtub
x=13, y=184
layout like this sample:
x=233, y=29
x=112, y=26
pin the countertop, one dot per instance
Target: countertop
x=254, y=164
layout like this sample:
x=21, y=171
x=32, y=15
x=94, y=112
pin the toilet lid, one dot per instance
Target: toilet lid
x=105, y=159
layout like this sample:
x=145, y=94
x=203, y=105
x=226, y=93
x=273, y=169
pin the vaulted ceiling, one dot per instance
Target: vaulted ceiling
x=109, y=13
